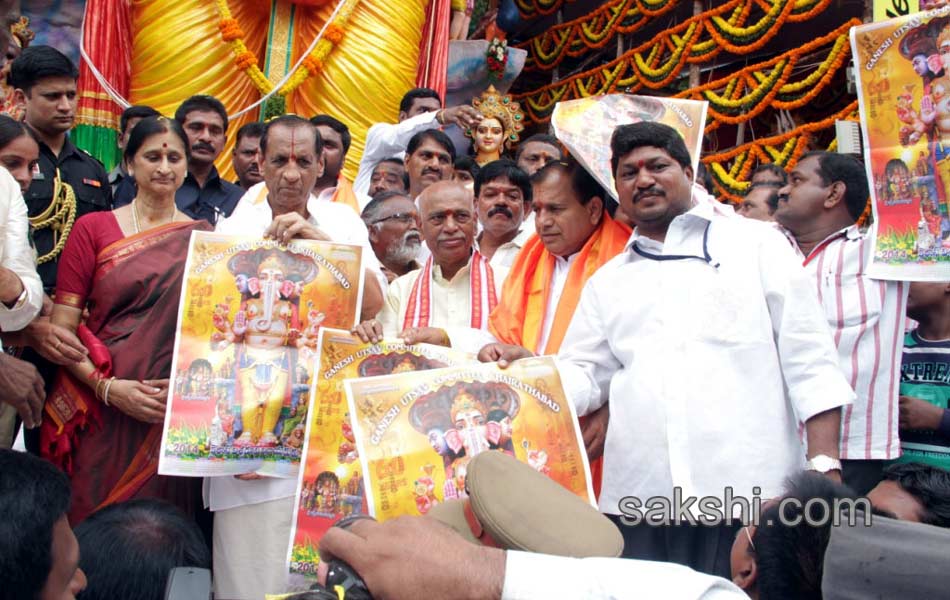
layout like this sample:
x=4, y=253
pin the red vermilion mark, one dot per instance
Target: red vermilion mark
x=293, y=145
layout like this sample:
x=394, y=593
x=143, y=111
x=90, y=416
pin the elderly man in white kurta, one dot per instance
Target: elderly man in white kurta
x=454, y=291
x=253, y=514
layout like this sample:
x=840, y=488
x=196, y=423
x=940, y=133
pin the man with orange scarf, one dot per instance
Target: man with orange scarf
x=575, y=236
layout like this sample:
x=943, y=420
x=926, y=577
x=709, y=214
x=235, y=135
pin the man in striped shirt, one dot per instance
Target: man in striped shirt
x=825, y=195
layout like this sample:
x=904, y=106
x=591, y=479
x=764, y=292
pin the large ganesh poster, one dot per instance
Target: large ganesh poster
x=246, y=347
x=903, y=75
x=416, y=432
x=330, y=484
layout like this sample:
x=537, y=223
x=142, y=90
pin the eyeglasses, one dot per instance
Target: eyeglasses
x=404, y=218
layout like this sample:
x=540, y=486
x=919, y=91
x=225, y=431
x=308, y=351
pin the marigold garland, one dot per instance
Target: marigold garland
x=533, y=8
x=245, y=60
x=784, y=150
x=743, y=101
x=728, y=32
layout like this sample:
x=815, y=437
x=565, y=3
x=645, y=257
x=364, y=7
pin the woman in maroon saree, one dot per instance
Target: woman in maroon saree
x=104, y=416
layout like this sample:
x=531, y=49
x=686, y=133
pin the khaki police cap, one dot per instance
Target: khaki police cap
x=513, y=507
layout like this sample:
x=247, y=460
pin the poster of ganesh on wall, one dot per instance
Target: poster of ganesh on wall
x=246, y=348
x=903, y=77
x=330, y=485
x=416, y=432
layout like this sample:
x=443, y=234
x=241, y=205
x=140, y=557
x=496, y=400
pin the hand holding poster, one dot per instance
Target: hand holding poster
x=245, y=347
x=415, y=432
x=585, y=127
x=903, y=77
x=330, y=485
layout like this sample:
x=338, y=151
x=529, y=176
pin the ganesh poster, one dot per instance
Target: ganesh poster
x=245, y=350
x=585, y=125
x=330, y=485
x=903, y=76
x=416, y=432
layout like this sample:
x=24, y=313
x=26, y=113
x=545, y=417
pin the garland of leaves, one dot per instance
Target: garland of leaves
x=733, y=99
x=784, y=150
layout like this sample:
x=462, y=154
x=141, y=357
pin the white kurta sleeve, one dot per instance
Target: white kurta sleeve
x=17, y=256
x=385, y=140
x=541, y=577
x=469, y=339
x=585, y=361
x=805, y=347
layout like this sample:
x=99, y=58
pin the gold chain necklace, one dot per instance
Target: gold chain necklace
x=135, y=217
x=59, y=216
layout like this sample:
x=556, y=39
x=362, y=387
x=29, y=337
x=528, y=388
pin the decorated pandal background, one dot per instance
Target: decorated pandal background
x=158, y=52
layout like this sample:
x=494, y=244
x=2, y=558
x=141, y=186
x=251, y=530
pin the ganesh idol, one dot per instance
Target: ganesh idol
x=266, y=333
x=502, y=122
x=935, y=111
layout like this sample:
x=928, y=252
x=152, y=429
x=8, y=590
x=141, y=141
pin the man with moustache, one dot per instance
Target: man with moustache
x=419, y=109
x=252, y=513
x=502, y=200
x=825, y=195
x=203, y=194
x=456, y=288
x=710, y=347
x=389, y=175
x=393, y=223
x=246, y=157
x=575, y=237
x=429, y=158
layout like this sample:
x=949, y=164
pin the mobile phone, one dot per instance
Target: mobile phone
x=188, y=583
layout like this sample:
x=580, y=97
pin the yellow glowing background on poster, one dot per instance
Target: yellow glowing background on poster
x=330, y=485
x=416, y=431
x=889, y=9
x=904, y=92
x=248, y=329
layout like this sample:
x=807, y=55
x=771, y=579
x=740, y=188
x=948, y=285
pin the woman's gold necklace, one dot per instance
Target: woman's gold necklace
x=135, y=217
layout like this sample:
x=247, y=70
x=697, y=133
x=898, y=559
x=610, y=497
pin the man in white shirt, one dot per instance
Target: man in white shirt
x=253, y=514
x=825, y=195
x=411, y=557
x=430, y=155
x=456, y=288
x=711, y=348
x=502, y=200
x=420, y=109
x=21, y=298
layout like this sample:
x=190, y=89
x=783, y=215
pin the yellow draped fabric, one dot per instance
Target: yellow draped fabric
x=368, y=73
x=177, y=51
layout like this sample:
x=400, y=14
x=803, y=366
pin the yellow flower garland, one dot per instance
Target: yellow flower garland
x=232, y=33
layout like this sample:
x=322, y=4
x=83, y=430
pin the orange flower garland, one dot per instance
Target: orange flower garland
x=245, y=60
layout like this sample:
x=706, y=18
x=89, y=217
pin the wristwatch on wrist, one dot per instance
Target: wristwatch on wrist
x=823, y=463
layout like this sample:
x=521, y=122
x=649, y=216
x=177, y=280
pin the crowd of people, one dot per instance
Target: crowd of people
x=710, y=350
